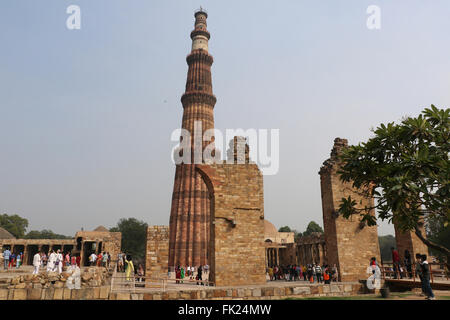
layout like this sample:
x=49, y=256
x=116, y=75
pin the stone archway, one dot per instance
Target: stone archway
x=210, y=250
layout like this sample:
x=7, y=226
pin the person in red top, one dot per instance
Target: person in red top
x=78, y=261
x=396, y=263
x=99, y=259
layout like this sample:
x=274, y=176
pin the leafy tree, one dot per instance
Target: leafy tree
x=134, y=237
x=438, y=233
x=14, y=224
x=386, y=243
x=311, y=228
x=45, y=234
x=284, y=229
x=406, y=168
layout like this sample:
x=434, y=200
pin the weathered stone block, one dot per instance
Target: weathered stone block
x=20, y=294
x=96, y=293
x=67, y=294
x=348, y=288
x=172, y=295
x=104, y=292
x=148, y=296
x=3, y=294
x=279, y=292
x=134, y=296
x=266, y=292
x=76, y=294
x=185, y=295
x=288, y=291
x=256, y=293
x=301, y=290
x=49, y=293
x=195, y=295
x=58, y=294
x=334, y=288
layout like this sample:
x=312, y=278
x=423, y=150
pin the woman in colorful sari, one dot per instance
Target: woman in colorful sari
x=130, y=267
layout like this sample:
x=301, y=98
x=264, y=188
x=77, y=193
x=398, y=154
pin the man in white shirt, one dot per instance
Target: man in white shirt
x=92, y=259
x=36, y=262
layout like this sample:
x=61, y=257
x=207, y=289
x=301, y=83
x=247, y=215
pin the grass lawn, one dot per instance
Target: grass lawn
x=392, y=296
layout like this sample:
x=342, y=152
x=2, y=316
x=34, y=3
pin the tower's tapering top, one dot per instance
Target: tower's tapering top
x=201, y=11
x=200, y=35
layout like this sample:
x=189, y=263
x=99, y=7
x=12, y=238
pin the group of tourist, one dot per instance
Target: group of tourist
x=200, y=273
x=400, y=269
x=54, y=261
x=422, y=269
x=12, y=260
x=103, y=259
x=313, y=273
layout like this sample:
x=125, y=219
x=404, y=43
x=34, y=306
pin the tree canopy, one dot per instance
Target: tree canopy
x=312, y=228
x=406, y=168
x=14, y=224
x=134, y=237
x=284, y=229
x=44, y=234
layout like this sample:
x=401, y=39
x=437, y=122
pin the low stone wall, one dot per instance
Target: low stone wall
x=90, y=277
x=51, y=293
x=245, y=293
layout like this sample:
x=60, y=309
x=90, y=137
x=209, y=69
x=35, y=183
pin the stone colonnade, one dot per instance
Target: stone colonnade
x=273, y=256
x=30, y=247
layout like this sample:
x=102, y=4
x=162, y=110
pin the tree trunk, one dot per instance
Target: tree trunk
x=434, y=246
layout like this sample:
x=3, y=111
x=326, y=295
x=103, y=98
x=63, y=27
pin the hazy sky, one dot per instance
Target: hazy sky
x=86, y=115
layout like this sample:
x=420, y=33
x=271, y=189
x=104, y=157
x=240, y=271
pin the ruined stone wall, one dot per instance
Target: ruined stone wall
x=111, y=242
x=409, y=241
x=237, y=231
x=157, y=257
x=349, y=243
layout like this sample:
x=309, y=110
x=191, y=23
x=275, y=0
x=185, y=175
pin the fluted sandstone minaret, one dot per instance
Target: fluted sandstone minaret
x=190, y=213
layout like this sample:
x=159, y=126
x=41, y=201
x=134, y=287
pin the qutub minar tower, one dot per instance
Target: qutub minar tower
x=189, y=228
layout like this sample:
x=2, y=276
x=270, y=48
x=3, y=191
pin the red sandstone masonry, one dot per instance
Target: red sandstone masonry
x=190, y=213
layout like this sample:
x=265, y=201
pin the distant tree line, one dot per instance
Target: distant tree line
x=17, y=226
x=311, y=228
